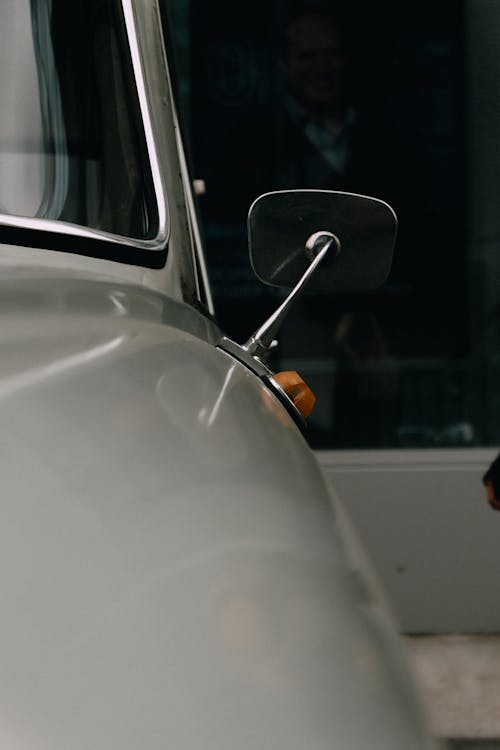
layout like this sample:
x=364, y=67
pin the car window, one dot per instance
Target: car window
x=72, y=146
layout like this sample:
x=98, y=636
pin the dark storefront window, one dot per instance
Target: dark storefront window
x=368, y=98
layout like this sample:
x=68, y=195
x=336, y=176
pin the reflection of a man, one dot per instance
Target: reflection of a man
x=313, y=133
x=313, y=64
x=323, y=136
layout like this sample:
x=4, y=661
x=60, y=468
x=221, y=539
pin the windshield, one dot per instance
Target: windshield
x=71, y=141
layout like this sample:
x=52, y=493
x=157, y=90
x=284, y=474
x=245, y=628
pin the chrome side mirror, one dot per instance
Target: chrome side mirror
x=328, y=240
x=281, y=225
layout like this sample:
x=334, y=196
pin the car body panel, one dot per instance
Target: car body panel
x=173, y=572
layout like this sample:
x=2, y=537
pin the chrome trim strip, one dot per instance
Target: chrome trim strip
x=163, y=215
x=199, y=257
x=63, y=228
x=77, y=230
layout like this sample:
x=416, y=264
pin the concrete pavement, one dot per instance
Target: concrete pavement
x=459, y=678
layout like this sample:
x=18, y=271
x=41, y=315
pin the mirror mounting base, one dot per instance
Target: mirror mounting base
x=258, y=367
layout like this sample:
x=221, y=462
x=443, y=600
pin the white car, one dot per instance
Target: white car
x=175, y=570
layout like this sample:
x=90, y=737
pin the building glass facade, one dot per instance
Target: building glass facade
x=391, y=100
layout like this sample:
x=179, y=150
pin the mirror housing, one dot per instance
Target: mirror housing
x=291, y=234
x=281, y=223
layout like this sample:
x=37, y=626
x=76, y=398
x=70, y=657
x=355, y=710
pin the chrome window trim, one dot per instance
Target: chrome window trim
x=162, y=236
x=21, y=224
x=201, y=272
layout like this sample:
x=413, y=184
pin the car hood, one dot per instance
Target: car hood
x=172, y=572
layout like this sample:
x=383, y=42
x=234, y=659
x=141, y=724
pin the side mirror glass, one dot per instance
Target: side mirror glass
x=281, y=223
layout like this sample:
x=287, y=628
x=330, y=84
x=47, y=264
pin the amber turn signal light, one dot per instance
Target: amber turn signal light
x=297, y=391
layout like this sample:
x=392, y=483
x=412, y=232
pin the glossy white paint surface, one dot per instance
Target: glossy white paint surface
x=171, y=570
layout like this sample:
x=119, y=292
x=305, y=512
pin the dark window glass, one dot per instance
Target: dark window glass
x=371, y=98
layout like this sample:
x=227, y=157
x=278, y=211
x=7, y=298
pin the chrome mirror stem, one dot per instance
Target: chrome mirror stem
x=262, y=340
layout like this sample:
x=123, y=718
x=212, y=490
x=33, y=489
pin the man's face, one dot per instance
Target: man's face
x=314, y=62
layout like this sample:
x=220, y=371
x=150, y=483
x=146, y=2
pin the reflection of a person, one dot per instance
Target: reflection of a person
x=365, y=390
x=311, y=134
x=321, y=119
x=314, y=133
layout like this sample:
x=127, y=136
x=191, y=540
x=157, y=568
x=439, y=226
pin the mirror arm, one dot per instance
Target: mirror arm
x=261, y=341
